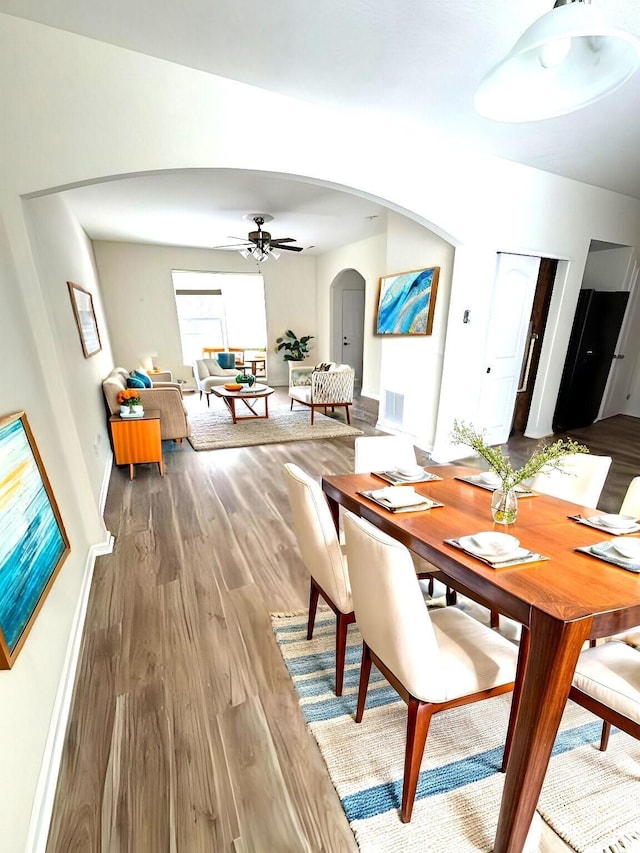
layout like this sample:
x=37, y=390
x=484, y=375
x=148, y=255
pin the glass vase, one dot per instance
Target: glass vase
x=504, y=506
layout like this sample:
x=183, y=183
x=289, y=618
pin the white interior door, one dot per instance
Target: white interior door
x=625, y=360
x=353, y=330
x=513, y=292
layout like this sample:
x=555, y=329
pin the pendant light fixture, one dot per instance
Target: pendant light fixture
x=566, y=60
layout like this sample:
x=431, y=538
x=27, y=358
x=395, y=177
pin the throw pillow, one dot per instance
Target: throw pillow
x=324, y=365
x=135, y=382
x=143, y=376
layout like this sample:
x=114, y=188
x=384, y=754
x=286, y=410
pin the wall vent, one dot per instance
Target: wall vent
x=393, y=408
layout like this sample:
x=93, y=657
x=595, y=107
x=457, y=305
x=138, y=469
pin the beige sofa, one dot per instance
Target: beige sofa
x=208, y=373
x=166, y=397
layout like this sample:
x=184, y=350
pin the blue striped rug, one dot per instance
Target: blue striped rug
x=590, y=799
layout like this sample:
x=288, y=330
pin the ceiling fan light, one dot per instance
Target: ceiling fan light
x=275, y=255
x=245, y=253
x=564, y=61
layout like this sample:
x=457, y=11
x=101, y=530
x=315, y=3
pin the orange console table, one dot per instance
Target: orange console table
x=137, y=440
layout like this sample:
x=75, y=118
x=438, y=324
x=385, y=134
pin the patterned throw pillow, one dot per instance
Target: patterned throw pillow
x=135, y=382
x=143, y=376
x=324, y=365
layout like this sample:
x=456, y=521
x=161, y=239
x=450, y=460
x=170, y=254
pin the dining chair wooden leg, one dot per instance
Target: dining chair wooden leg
x=418, y=719
x=494, y=619
x=451, y=597
x=604, y=737
x=343, y=622
x=313, y=604
x=365, y=671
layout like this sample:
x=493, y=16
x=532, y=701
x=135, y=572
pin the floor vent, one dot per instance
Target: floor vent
x=393, y=408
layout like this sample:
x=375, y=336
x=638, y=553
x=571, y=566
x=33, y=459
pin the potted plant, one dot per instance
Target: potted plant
x=247, y=379
x=130, y=402
x=295, y=348
x=504, y=502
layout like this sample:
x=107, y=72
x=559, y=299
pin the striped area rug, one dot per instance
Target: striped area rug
x=590, y=799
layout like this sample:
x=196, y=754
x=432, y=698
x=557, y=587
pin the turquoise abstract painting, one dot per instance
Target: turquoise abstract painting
x=407, y=302
x=33, y=542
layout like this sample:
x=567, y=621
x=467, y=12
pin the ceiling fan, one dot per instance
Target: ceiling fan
x=260, y=244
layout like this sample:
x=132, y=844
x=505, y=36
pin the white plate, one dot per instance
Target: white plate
x=488, y=478
x=615, y=522
x=491, y=545
x=409, y=473
x=253, y=390
x=627, y=548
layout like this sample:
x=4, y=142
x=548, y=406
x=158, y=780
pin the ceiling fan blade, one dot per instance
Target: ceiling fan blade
x=287, y=248
x=282, y=240
x=234, y=245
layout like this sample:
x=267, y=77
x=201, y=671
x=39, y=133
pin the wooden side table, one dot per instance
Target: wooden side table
x=137, y=440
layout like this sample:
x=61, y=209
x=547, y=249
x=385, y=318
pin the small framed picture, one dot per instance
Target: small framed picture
x=407, y=302
x=82, y=302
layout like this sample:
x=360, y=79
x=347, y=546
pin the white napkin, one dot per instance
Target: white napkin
x=399, y=496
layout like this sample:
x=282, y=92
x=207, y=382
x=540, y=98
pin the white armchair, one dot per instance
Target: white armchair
x=322, y=389
x=208, y=373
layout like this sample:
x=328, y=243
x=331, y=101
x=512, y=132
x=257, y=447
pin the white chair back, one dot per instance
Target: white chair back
x=333, y=386
x=631, y=502
x=390, y=610
x=580, y=480
x=317, y=538
x=383, y=453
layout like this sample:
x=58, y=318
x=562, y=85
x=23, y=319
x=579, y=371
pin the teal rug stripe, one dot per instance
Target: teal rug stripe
x=321, y=661
x=301, y=630
x=340, y=706
x=448, y=777
x=317, y=687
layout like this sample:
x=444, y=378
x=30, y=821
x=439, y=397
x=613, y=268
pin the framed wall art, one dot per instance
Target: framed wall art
x=407, y=301
x=33, y=542
x=82, y=302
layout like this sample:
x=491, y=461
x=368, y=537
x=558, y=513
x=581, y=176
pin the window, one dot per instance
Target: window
x=219, y=310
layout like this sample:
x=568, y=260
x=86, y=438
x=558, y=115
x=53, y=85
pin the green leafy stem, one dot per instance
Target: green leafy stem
x=550, y=455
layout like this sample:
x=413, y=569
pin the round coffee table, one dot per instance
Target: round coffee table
x=249, y=398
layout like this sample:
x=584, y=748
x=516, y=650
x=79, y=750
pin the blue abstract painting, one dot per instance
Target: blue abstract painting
x=407, y=302
x=33, y=543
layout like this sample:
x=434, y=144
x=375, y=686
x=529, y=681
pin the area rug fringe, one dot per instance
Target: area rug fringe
x=589, y=798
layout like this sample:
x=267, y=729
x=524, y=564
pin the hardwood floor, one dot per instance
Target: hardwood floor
x=185, y=733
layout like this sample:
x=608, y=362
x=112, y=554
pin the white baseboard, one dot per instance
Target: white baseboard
x=47, y=782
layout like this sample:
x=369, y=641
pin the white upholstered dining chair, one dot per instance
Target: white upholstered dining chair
x=435, y=660
x=383, y=453
x=631, y=500
x=607, y=683
x=388, y=453
x=580, y=480
x=323, y=557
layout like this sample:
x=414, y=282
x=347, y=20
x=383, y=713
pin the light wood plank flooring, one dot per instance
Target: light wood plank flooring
x=184, y=733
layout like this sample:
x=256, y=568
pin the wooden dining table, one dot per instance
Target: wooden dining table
x=561, y=603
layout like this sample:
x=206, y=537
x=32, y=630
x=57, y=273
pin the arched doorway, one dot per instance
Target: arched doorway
x=347, y=320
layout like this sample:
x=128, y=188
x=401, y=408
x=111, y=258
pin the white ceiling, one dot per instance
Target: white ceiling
x=417, y=58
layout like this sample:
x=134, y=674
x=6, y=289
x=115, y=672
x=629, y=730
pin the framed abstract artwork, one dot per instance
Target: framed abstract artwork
x=33, y=542
x=82, y=302
x=407, y=302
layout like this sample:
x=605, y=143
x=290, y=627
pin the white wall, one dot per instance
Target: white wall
x=75, y=110
x=45, y=372
x=140, y=305
x=368, y=258
x=608, y=269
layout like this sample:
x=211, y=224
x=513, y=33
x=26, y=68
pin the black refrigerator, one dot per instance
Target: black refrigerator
x=592, y=344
